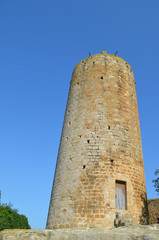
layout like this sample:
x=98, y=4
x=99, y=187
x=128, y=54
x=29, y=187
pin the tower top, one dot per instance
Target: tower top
x=103, y=52
x=105, y=57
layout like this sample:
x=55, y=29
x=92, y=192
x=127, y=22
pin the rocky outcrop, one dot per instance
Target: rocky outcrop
x=121, y=233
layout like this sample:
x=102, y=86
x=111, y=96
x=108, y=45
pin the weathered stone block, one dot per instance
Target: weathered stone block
x=121, y=233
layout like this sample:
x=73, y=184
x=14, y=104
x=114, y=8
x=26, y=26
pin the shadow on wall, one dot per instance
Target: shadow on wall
x=144, y=218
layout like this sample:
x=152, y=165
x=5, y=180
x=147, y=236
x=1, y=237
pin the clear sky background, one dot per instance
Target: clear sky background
x=41, y=41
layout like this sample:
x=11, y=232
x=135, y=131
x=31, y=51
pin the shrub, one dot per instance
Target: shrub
x=11, y=219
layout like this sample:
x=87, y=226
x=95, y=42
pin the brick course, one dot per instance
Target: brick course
x=100, y=143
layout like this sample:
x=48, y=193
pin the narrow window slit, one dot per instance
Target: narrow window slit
x=108, y=127
x=84, y=166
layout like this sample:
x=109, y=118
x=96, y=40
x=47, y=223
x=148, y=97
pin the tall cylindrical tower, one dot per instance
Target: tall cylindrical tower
x=100, y=171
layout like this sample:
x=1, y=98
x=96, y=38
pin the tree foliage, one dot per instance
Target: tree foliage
x=11, y=219
x=156, y=181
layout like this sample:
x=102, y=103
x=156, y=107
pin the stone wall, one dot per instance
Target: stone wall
x=133, y=233
x=153, y=208
x=100, y=144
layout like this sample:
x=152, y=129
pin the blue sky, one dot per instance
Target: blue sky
x=41, y=41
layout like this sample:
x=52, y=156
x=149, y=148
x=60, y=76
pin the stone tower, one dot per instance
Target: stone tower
x=100, y=171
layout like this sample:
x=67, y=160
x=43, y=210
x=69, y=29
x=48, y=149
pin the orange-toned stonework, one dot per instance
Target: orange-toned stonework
x=153, y=208
x=100, y=145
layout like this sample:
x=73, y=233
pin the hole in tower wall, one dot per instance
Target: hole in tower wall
x=84, y=166
x=101, y=77
x=88, y=141
x=69, y=123
x=111, y=160
x=93, y=63
x=79, y=136
x=108, y=127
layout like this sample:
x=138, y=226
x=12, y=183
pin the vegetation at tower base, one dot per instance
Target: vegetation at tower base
x=11, y=219
x=156, y=181
x=144, y=218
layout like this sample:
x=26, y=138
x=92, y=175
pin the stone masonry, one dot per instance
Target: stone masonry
x=121, y=233
x=100, y=147
x=153, y=208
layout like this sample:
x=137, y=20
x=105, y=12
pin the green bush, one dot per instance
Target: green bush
x=11, y=219
x=156, y=181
